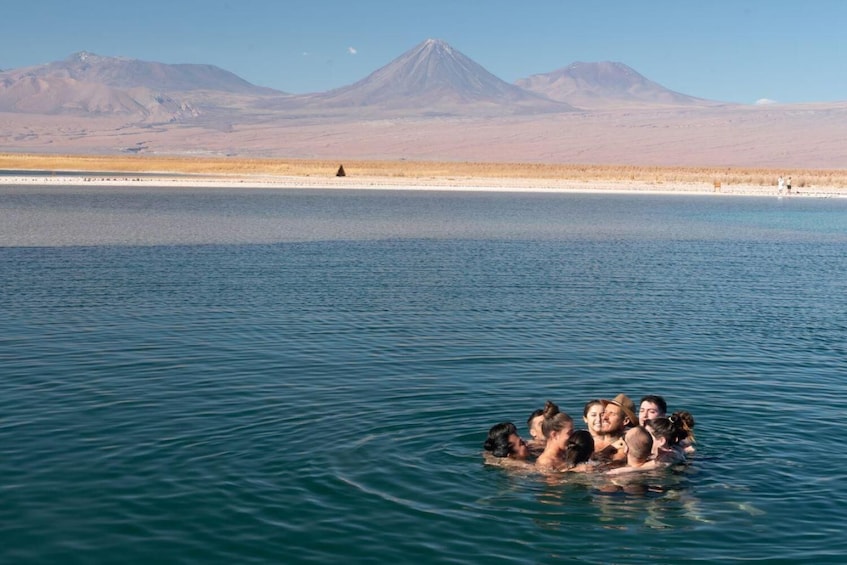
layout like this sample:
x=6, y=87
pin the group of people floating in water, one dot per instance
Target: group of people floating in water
x=616, y=440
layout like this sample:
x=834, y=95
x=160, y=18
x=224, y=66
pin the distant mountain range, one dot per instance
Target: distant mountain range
x=89, y=84
x=605, y=84
x=430, y=103
x=433, y=78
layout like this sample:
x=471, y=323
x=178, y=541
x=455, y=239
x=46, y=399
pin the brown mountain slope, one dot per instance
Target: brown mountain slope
x=51, y=95
x=603, y=85
x=88, y=84
x=122, y=72
x=432, y=78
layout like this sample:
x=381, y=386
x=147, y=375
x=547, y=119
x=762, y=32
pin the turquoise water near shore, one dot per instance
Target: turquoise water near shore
x=196, y=375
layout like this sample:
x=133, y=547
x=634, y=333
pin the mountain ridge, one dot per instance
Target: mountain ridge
x=605, y=83
x=124, y=72
x=436, y=76
x=431, y=103
x=430, y=79
x=85, y=83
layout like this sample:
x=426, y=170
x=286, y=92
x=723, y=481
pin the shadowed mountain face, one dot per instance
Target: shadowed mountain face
x=436, y=78
x=605, y=84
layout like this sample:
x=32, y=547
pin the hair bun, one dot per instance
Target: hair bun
x=550, y=409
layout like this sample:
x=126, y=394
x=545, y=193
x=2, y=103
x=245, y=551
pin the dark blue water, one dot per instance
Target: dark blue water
x=265, y=376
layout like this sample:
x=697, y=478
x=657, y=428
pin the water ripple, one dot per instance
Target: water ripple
x=310, y=400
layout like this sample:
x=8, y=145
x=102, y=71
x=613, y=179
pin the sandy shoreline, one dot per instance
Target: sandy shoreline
x=479, y=184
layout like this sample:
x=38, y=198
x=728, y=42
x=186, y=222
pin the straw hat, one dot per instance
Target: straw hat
x=627, y=405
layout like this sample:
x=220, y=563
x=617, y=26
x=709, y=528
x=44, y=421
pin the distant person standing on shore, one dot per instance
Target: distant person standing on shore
x=788, y=185
x=780, y=185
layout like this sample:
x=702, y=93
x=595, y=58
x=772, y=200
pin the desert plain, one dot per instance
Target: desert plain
x=430, y=118
x=136, y=170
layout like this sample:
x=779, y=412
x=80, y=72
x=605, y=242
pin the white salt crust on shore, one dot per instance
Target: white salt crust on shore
x=423, y=183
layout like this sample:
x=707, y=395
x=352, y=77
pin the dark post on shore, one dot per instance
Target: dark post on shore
x=341, y=172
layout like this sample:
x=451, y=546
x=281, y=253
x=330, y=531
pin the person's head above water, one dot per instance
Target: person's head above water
x=652, y=406
x=533, y=423
x=503, y=441
x=592, y=415
x=578, y=448
x=618, y=414
x=536, y=420
x=639, y=444
x=668, y=432
x=556, y=423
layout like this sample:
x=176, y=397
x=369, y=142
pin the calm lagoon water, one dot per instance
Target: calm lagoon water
x=200, y=375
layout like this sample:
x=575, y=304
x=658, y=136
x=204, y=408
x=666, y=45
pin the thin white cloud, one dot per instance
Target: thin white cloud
x=765, y=101
x=352, y=50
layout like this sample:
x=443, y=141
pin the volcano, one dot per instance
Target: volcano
x=433, y=77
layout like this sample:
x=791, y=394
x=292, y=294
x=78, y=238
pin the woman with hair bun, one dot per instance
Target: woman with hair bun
x=535, y=423
x=557, y=428
x=672, y=436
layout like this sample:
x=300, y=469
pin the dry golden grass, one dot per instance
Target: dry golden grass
x=420, y=169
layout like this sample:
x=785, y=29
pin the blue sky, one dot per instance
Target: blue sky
x=729, y=50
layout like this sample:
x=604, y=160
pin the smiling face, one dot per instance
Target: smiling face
x=594, y=418
x=614, y=419
x=649, y=410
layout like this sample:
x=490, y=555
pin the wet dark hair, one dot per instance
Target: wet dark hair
x=589, y=404
x=675, y=428
x=578, y=448
x=657, y=400
x=497, y=441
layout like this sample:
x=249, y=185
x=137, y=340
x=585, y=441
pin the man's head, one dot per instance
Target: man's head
x=639, y=444
x=618, y=414
x=651, y=407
